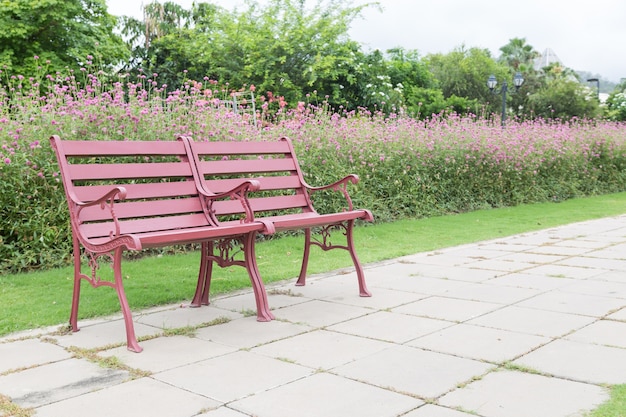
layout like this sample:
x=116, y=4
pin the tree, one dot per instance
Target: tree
x=616, y=103
x=518, y=55
x=63, y=32
x=464, y=72
x=561, y=96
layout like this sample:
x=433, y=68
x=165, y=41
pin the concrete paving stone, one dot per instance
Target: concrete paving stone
x=501, y=265
x=385, y=272
x=504, y=246
x=603, y=332
x=545, y=237
x=534, y=281
x=381, y=299
x=517, y=394
x=582, y=243
x=611, y=252
x=322, y=349
x=431, y=410
x=480, y=343
x=233, y=376
x=600, y=264
x=440, y=258
x=57, y=381
x=481, y=251
x=140, y=397
x=596, y=286
x=618, y=315
x=103, y=334
x=496, y=294
x=466, y=273
x=569, y=302
x=244, y=303
x=223, y=411
x=26, y=353
x=611, y=276
x=318, y=289
x=584, y=362
x=247, y=333
x=326, y=395
x=444, y=308
x=319, y=313
x=531, y=258
x=414, y=371
x=533, y=321
x=390, y=327
x=419, y=285
x=564, y=271
x=165, y=353
x=561, y=249
x=184, y=317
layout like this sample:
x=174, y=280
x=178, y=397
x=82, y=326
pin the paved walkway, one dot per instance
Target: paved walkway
x=532, y=325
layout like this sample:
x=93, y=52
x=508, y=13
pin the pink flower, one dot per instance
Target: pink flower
x=7, y=161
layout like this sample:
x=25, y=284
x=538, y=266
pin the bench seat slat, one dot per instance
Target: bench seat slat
x=151, y=239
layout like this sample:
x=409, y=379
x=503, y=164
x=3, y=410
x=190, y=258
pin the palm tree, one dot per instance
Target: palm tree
x=518, y=55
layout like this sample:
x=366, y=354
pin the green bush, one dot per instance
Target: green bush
x=408, y=168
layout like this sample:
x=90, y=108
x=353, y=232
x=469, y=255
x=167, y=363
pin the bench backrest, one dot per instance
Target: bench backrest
x=223, y=165
x=160, y=189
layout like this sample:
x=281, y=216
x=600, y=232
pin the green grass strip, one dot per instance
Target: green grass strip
x=38, y=299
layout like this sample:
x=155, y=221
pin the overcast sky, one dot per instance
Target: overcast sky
x=585, y=35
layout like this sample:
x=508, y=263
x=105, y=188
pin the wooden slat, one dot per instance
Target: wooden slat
x=122, y=148
x=139, y=209
x=282, y=182
x=283, y=202
x=136, y=191
x=155, y=224
x=240, y=148
x=246, y=166
x=80, y=172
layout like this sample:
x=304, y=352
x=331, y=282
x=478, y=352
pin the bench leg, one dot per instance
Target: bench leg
x=262, y=306
x=77, y=282
x=203, y=287
x=363, y=291
x=326, y=245
x=131, y=339
x=305, y=258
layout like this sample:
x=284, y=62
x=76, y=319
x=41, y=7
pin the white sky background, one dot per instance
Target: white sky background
x=585, y=35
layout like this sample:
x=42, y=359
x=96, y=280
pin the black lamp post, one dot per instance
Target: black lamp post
x=597, y=81
x=518, y=80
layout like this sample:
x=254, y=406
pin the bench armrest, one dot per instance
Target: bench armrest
x=106, y=202
x=340, y=185
x=239, y=193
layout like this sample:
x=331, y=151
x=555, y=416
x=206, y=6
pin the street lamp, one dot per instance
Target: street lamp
x=518, y=80
x=597, y=81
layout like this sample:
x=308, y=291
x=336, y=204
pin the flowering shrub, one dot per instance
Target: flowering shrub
x=408, y=168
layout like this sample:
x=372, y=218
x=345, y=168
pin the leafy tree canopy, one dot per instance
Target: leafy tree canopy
x=63, y=32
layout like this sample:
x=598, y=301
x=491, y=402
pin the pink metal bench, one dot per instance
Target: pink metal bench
x=134, y=195
x=282, y=202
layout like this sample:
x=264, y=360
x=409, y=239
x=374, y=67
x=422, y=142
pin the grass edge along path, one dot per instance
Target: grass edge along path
x=42, y=298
